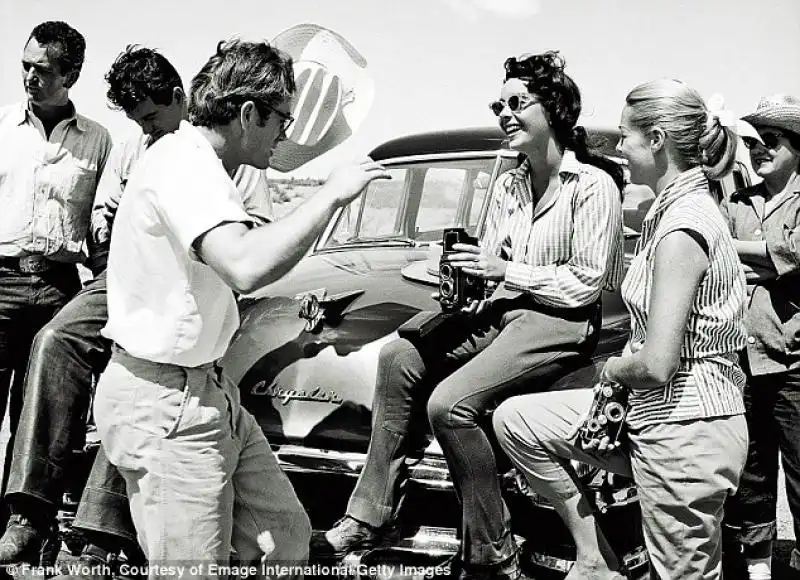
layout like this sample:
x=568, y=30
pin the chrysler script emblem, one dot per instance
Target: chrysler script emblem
x=285, y=395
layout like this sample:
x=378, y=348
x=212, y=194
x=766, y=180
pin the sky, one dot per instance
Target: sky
x=436, y=64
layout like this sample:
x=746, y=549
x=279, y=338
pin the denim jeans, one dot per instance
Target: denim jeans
x=200, y=475
x=773, y=419
x=463, y=375
x=684, y=472
x=65, y=356
x=104, y=504
x=27, y=303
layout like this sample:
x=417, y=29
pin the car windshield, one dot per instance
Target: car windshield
x=416, y=204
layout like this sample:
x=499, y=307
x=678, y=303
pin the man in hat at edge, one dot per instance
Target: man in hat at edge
x=765, y=222
x=201, y=478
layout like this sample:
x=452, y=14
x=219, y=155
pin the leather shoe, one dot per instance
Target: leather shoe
x=26, y=542
x=349, y=534
x=508, y=569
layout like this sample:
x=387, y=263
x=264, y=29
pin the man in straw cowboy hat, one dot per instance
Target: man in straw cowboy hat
x=765, y=222
x=200, y=475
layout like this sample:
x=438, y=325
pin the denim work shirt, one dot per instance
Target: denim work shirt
x=773, y=316
x=47, y=185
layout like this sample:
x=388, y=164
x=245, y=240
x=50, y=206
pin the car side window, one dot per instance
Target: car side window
x=419, y=202
x=375, y=213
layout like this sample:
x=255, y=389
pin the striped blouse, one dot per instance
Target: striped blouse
x=564, y=253
x=709, y=380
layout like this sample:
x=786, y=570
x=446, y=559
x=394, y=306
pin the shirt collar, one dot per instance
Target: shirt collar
x=569, y=165
x=24, y=112
x=685, y=183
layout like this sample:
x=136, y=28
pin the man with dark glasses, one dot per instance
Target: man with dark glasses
x=765, y=222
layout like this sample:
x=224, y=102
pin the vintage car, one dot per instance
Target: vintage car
x=305, y=357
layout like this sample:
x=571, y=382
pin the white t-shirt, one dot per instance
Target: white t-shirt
x=164, y=305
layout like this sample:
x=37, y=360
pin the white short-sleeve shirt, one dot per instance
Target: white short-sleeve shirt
x=164, y=305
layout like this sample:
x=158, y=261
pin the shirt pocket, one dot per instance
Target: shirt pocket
x=72, y=190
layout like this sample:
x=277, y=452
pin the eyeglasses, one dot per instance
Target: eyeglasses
x=768, y=139
x=516, y=103
x=286, y=118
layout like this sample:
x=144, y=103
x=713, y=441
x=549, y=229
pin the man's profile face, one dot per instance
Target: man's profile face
x=158, y=120
x=261, y=139
x=45, y=85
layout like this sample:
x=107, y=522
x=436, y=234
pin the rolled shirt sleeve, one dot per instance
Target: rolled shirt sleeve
x=783, y=245
x=595, y=252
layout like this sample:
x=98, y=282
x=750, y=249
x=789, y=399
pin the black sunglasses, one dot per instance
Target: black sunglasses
x=770, y=140
x=286, y=118
x=515, y=103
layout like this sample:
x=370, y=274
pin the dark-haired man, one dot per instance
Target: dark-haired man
x=201, y=478
x=69, y=351
x=52, y=158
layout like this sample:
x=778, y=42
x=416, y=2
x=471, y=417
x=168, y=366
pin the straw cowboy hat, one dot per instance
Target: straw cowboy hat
x=427, y=270
x=334, y=93
x=781, y=111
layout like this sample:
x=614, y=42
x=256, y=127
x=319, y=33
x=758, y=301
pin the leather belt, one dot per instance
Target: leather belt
x=33, y=264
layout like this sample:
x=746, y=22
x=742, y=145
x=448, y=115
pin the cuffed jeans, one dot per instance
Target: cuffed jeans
x=773, y=420
x=200, y=475
x=684, y=472
x=27, y=303
x=515, y=347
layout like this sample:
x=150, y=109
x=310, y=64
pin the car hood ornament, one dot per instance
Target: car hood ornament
x=316, y=307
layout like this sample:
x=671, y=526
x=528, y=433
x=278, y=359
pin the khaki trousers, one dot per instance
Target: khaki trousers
x=684, y=471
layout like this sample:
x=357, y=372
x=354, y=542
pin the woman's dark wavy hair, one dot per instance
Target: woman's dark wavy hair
x=239, y=72
x=139, y=73
x=544, y=76
x=70, y=42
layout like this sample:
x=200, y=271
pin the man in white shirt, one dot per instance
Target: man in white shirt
x=69, y=351
x=201, y=478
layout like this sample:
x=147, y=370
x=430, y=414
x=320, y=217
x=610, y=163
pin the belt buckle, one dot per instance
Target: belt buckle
x=32, y=264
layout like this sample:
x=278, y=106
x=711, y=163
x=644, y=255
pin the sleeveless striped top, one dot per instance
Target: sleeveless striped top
x=709, y=381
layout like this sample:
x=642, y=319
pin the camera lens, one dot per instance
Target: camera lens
x=445, y=271
x=446, y=289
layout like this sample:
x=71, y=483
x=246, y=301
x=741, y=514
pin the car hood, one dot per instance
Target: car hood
x=315, y=388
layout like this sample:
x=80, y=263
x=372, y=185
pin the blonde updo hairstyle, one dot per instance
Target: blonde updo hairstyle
x=694, y=137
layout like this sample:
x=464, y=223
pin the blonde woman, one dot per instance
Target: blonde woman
x=685, y=290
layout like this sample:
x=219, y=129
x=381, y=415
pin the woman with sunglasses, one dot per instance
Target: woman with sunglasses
x=685, y=290
x=765, y=222
x=552, y=243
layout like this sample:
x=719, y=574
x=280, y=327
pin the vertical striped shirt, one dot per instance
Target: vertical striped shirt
x=709, y=380
x=567, y=251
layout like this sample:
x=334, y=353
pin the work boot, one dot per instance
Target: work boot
x=26, y=541
x=349, y=534
x=94, y=563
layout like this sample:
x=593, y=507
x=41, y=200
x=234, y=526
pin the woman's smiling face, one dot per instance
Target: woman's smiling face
x=527, y=125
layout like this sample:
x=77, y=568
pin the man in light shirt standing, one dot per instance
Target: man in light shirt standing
x=201, y=478
x=51, y=159
x=69, y=351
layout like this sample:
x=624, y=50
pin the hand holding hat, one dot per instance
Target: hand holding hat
x=334, y=93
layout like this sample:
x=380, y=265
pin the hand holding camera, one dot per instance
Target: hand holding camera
x=603, y=427
x=463, y=272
